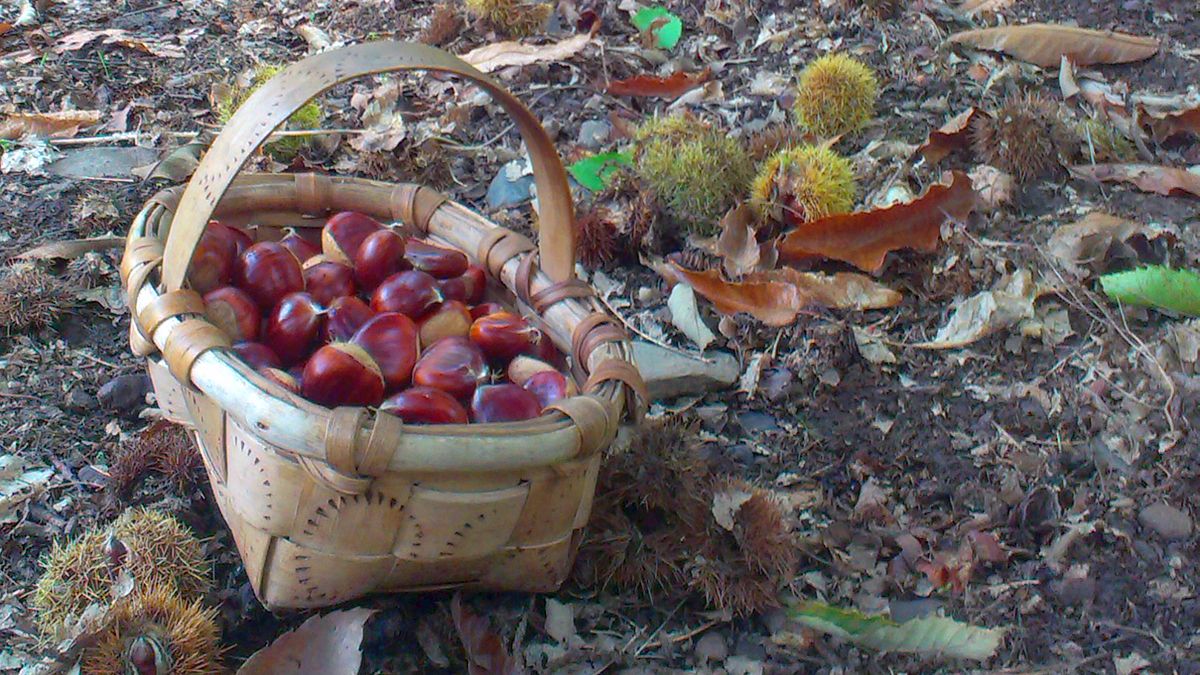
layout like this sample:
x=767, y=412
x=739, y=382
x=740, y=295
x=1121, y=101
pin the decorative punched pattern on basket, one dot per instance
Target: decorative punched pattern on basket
x=168, y=392
x=441, y=524
x=355, y=524
x=209, y=421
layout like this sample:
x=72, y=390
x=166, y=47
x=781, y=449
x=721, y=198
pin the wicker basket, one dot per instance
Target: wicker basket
x=328, y=505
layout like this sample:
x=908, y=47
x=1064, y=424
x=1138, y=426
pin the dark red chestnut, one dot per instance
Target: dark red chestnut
x=234, y=312
x=503, y=403
x=327, y=280
x=241, y=239
x=344, y=317
x=282, y=378
x=344, y=232
x=521, y=368
x=549, y=386
x=257, y=355
x=425, y=405
x=268, y=271
x=300, y=247
x=294, y=326
x=452, y=364
x=451, y=319
x=502, y=335
x=541, y=347
x=483, y=309
x=342, y=374
x=379, y=256
x=412, y=293
x=391, y=339
x=467, y=287
x=440, y=262
x=215, y=259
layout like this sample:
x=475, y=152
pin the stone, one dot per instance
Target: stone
x=79, y=401
x=101, y=162
x=1166, y=521
x=711, y=647
x=669, y=373
x=594, y=133
x=124, y=392
x=505, y=192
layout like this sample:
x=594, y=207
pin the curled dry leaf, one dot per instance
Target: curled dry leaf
x=63, y=124
x=775, y=303
x=1163, y=180
x=81, y=38
x=486, y=654
x=1045, y=44
x=329, y=644
x=994, y=187
x=661, y=87
x=987, y=312
x=842, y=290
x=1169, y=125
x=1086, y=241
x=979, y=7
x=685, y=316
x=865, y=238
x=737, y=246
x=953, y=135
x=71, y=248
x=499, y=55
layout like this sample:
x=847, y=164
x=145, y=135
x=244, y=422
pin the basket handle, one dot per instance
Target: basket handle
x=275, y=101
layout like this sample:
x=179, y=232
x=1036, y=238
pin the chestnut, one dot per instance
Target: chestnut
x=379, y=256
x=342, y=374
x=294, y=326
x=391, y=339
x=549, y=386
x=454, y=365
x=234, y=312
x=451, y=319
x=344, y=232
x=425, y=405
x=268, y=271
x=328, y=280
x=503, y=403
x=214, y=260
x=412, y=293
x=440, y=262
x=502, y=335
x=467, y=287
x=300, y=247
x=485, y=308
x=343, y=318
x=257, y=355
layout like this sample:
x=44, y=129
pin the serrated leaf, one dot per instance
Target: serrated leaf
x=594, y=172
x=929, y=636
x=1155, y=286
x=665, y=26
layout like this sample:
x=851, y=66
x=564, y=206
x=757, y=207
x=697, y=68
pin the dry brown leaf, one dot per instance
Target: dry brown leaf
x=1045, y=44
x=72, y=248
x=486, y=654
x=1168, y=125
x=994, y=187
x=662, y=87
x=499, y=55
x=865, y=238
x=63, y=124
x=775, y=303
x=737, y=246
x=951, y=136
x=1163, y=180
x=1086, y=240
x=976, y=7
x=82, y=38
x=842, y=290
x=329, y=644
x=5, y=27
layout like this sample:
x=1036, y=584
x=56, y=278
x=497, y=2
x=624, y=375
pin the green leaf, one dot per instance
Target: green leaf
x=1155, y=286
x=594, y=172
x=929, y=636
x=668, y=30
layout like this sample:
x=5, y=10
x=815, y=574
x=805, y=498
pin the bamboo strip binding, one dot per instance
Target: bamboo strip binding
x=329, y=505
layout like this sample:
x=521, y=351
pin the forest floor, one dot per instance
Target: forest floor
x=1044, y=480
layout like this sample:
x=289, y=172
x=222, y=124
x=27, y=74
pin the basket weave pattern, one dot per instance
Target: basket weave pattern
x=329, y=505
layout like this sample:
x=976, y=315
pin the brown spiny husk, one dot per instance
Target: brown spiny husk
x=30, y=298
x=160, y=551
x=95, y=214
x=596, y=237
x=445, y=25
x=773, y=139
x=184, y=631
x=164, y=447
x=87, y=271
x=1025, y=137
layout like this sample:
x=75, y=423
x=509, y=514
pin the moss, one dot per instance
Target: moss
x=836, y=95
x=695, y=171
x=307, y=117
x=159, y=552
x=156, y=631
x=513, y=18
x=802, y=184
x=1105, y=141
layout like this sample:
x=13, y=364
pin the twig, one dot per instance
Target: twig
x=186, y=135
x=646, y=337
x=675, y=639
x=658, y=630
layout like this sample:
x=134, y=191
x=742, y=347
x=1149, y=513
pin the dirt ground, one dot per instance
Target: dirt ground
x=1056, y=447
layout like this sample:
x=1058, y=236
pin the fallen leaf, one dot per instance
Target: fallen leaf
x=951, y=136
x=726, y=504
x=329, y=644
x=596, y=171
x=737, y=245
x=1155, y=286
x=685, y=316
x=63, y=124
x=486, y=654
x=71, y=248
x=1085, y=241
x=775, y=303
x=671, y=87
x=560, y=620
x=930, y=636
x=317, y=39
x=1133, y=663
x=865, y=238
x=987, y=312
x=872, y=347
x=664, y=27
x=5, y=27
x=1066, y=79
x=1169, y=125
x=31, y=156
x=179, y=163
x=19, y=482
x=994, y=187
x=872, y=503
x=977, y=7
x=841, y=290
x=1163, y=180
x=1045, y=44
x=499, y=55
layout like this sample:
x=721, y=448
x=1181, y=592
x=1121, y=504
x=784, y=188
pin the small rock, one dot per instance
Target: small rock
x=504, y=193
x=594, y=133
x=124, y=392
x=102, y=162
x=711, y=647
x=669, y=374
x=78, y=401
x=1167, y=521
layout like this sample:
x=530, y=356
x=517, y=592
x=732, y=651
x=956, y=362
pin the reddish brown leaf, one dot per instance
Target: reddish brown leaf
x=5, y=27
x=1163, y=180
x=951, y=136
x=843, y=290
x=986, y=546
x=662, y=87
x=330, y=644
x=737, y=245
x=64, y=124
x=775, y=303
x=495, y=56
x=486, y=654
x=1045, y=44
x=1168, y=125
x=865, y=238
